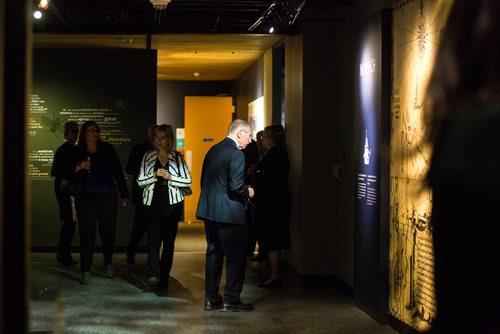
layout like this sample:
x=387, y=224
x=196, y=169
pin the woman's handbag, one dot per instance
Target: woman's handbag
x=72, y=186
x=185, y=191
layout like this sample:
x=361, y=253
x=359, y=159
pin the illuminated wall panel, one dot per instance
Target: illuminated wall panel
x=256, y=114
x=416, y=30
x=371, y=232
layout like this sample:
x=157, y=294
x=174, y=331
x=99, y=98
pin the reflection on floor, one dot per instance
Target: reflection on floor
x=125, y=304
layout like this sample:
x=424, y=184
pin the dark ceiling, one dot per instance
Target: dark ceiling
x=180, y=16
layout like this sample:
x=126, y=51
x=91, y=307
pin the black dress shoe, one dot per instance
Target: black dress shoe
x=152, y=281
x=162, y=289
x=275, y=283
x=211, y=305
x=236, y=307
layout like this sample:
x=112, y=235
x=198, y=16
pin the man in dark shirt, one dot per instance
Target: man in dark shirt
x=63, y=168
x=132, y=168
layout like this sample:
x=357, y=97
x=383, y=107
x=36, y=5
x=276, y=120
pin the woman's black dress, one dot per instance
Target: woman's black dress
x=272, y=201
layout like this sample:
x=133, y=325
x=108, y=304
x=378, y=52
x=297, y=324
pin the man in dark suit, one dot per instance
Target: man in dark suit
x=140, y=219
x=222, y=207
x=63, y=167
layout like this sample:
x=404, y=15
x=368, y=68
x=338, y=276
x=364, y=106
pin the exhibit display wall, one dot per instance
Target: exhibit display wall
x=416, y=29
x=116, y=89
x=372, y=110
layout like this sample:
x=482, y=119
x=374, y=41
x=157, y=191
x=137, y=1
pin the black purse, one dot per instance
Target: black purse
x=72, y=186
x=185, y=191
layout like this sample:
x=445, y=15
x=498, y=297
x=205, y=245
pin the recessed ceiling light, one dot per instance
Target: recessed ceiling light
x=43, y=4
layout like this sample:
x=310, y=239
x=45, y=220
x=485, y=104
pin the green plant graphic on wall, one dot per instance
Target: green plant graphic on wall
x=54, y=124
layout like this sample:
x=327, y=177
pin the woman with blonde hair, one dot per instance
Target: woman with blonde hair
x=162, y=174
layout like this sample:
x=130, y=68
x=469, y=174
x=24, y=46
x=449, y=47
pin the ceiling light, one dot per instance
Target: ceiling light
x=44, y=4
x=271, y=29
x=160, y=4
x=196, y=74
x=37, y=14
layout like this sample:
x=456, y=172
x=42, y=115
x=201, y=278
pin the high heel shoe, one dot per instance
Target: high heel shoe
x=275, y=283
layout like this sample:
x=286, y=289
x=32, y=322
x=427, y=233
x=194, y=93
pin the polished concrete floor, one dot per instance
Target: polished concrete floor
x=125, y=304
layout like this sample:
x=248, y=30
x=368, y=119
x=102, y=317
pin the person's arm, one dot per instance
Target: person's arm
x=146, y=171
x=132, y=166
x=64, y=162
x=57, y=168
x=237, y=176
x=118, y=176
x=282, y=169
x=183, y=177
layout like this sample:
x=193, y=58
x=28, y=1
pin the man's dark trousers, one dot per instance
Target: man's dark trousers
x=225, y=240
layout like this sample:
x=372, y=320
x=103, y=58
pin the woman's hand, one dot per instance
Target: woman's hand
x=163, y=173
x=84, y=165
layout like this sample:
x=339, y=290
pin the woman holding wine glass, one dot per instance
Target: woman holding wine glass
x=97, y=203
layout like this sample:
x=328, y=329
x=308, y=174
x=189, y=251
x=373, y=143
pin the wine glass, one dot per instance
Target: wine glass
x=89, y=174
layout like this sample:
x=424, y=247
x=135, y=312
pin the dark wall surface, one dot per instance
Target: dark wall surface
x=115, y=88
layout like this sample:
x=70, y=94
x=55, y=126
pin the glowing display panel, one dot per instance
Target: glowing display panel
x=416, y=29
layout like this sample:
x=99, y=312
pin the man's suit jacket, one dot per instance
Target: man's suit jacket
x=223, y=192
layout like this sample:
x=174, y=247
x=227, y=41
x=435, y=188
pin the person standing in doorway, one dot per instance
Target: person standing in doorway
x=132, y=168
x=63, y=168
x=221, y=206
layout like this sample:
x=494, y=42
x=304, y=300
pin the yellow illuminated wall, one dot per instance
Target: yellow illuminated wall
x=256, y=114
x=417, y=27
x=206, y=120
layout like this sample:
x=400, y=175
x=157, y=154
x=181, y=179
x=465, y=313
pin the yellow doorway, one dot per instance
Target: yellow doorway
x=206, y=120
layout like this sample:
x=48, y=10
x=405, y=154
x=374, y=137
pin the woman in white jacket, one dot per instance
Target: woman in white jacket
x=163, y=171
